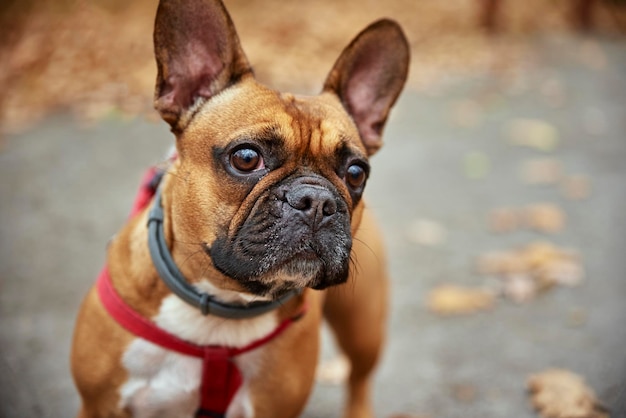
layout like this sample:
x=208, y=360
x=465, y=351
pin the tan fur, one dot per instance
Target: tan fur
x=96, y=368
x=200, y=199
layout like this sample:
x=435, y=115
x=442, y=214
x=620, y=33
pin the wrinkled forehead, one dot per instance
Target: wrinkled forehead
x=318, y=124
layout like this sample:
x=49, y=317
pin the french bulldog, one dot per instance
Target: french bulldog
x=213, y=293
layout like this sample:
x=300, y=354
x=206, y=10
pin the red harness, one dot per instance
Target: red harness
x=220, y=376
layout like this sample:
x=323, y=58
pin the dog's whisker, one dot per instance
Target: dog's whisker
x=366, y=245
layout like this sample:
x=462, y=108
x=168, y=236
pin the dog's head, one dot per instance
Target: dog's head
x=268, y=184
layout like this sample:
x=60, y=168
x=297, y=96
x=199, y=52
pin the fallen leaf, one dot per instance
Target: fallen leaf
x=464, y=392
x=520, y=288
x=504, y=220
x=577, y=187
x=449, y=299
x=545, y=217
x=541, y=171
x=561, y=271
x=538, y=253
x=476, y=165
x=467, y=113
x=533, y=133
x=501, y=263
x=525, y=272
x=553, y=92
x=427, y=232
x=558, y=393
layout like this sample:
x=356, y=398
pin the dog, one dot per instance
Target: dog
x=213, y=293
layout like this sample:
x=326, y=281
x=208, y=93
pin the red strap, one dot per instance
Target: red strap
x=261, y=341
x=133, y=322
x=137, y=324
x=220, y=381
x=220, y=377
x=145, y=193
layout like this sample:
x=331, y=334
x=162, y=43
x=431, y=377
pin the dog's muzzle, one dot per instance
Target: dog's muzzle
x=297, y=235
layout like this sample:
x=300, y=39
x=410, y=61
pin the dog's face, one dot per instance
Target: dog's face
x=269, y=185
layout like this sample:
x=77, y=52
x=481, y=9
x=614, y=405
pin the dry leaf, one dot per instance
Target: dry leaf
x=468, y=113
x=545, y=217
x=501, y=263
x=451, y=299
x=557, y=393
x=527, y=271
x=533, y=133
x=538, y=253
x=561, y=271
x=476, y=165
x=504, y=220
x=520, y=288
x=427, y=232
x=334, y=371
x=464, y=392
x=541, y=171
x=576, y=187
x=553, y=92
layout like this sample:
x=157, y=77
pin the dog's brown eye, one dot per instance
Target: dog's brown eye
x=355, y=176
x=246, y=160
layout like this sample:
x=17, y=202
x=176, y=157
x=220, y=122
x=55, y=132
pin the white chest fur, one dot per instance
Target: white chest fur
x=162, y=383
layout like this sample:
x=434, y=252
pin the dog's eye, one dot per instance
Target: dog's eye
x=246, y=160
x=355, y=176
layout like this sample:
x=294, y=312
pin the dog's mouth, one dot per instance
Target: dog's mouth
x=281, y=268
x=308, y=269
x=292, y=239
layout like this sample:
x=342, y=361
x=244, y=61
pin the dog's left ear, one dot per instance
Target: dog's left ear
x=198, y=55
x=368, y=78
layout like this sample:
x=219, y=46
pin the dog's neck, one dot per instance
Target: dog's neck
x=136, y=279
x=205, y=301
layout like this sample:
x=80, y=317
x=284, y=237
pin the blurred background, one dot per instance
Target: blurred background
x=501, y=191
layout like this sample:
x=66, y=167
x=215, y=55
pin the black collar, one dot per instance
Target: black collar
x=176, y=282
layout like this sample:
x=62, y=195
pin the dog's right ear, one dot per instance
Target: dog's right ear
x=198, y=55
x=368, y=77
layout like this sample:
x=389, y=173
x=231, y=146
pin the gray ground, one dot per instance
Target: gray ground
x=66, y=189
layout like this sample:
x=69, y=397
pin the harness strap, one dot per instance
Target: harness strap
x=138, y=325
x=149, y=183
x=220, y=376
x=220, y=380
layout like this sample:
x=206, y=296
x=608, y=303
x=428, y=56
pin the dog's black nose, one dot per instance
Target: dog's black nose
x=314, y=202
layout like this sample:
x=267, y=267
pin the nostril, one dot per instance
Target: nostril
x=301, y=198
x=300, y=201
x=305, y=203
x=330, y=207
x=314, y=202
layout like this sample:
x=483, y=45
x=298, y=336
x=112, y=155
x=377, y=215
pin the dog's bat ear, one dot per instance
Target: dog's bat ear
x=368, y=78
x=198, y=54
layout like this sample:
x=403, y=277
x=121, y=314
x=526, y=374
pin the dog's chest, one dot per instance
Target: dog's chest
x=160, y=382
x=163, y=383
